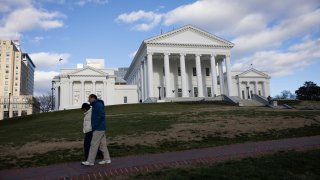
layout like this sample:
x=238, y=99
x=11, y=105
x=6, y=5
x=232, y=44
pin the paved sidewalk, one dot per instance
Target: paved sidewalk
x=151, y=162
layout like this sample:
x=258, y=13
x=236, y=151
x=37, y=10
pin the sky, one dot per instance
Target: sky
x=280, y=37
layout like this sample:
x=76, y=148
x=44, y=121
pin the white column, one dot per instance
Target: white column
x=199, y=76
x=228, y=69
x=145, y=85
x=167, y=74
x=213, y=75
x=239, y=89
x=256, y=87
x=183, y=76
x=93, y=87
x=83, y=92
x=56, y=93
x=142, y=81
x=264, y=89
x=150, y=75
x=221, y=77
x=104, y=97
x=70, y=94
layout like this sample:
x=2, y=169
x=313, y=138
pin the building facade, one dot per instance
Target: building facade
x=73, y=86
x=190, y=62
x=16, y=81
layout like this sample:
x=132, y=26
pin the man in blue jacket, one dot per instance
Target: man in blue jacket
x=98, y=123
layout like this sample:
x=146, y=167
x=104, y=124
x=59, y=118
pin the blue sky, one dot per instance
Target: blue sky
x=283, y=41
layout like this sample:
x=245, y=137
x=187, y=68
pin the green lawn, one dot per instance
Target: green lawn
x=56, y=137
x=289, y=165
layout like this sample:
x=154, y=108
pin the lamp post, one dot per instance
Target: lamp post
x=9, y=106
x=248, y=92
x=159, y=92
x=52, y=88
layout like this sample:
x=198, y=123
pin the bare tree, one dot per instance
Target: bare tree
x=45, y=101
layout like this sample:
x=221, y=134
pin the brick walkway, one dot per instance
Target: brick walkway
x=145, y=163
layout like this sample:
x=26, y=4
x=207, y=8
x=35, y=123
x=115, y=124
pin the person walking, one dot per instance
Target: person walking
x=98, y=124
x=87, y=130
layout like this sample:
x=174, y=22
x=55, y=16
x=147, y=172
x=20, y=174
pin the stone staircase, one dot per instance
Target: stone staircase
x=250, y=102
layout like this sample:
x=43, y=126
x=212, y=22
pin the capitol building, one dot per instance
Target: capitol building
x=186, y=64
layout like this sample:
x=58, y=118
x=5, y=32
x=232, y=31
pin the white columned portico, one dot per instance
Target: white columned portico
x=145, y=86
x=150, y=74
x=213, y=75
x=167, y=74
x=199, y=76
x=142, y=81
x=183, y=75
x=221, y=77
x=228, y=71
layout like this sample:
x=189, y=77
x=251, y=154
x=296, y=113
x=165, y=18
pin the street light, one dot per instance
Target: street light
x=248, y=92
x=159, y=92
x=9, y=106
x=52, y=88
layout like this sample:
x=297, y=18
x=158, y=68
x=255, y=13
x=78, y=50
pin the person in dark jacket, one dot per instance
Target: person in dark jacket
x=87, y=130
x=98, y=123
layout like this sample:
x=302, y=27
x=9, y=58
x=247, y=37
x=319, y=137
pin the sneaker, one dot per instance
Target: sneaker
x=105, y=162
x=86, y=163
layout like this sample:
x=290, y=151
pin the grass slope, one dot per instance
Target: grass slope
x=148, y=128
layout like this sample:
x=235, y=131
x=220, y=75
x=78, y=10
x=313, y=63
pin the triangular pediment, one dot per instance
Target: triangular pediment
x=88, y=71
x=253, y=73
x=189, y=35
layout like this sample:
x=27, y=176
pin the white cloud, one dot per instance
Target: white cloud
x=279, y=63
x=260, y=29
x=49, y=60
x=23, y=17
x=151, y=19
x=37, y=39
x=131, y=55
x=42, y=81
x=84, y=2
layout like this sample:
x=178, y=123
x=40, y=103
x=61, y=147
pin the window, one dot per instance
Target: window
x=243, y=96
x=4, y=106
x=6, y=88
x=5, y=114
x=24, y=113
x=251, y=93
x=259, y=92
x=209, y=91
x=207, y=72
x=179, y=92
x=164, y=92
x=7, y=71
x=15, y=113
x=8, y=54
x=195, y=91
x=7, y=65
x=6, y=83
x=179, y=71
x=194, y=71
x=125, y=99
